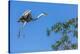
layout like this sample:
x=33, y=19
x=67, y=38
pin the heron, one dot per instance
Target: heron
x=27, y=17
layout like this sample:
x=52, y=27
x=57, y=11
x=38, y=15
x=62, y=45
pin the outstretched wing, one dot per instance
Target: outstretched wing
x=26, y=12
x=27, y=15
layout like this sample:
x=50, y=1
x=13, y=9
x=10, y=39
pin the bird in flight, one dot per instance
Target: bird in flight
x=27, y=17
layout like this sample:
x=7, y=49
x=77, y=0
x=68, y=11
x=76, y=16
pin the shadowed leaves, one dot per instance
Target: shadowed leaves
x=65, y=28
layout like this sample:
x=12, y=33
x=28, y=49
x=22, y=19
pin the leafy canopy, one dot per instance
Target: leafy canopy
x=66, y=29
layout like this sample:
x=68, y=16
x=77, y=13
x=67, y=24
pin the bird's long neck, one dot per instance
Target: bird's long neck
x=40, y=15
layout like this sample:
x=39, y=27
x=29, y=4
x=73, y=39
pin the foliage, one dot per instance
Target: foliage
x=66, y=29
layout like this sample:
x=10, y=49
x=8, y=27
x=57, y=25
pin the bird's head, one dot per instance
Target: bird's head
x=44, y=13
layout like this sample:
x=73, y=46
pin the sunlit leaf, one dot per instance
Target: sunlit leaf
x=57, y=27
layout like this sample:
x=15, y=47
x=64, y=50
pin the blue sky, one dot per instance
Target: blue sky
x=35, y=38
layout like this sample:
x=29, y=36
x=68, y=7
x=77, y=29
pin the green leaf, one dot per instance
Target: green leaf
x=58, y=43
x=54, y=47
x=64, y=38
x=74, y=46
x=66, y=26
x=57, y=27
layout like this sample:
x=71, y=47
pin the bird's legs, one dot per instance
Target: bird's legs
x=21, y=29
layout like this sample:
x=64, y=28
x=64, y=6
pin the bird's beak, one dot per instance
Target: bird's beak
x=45, y=14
